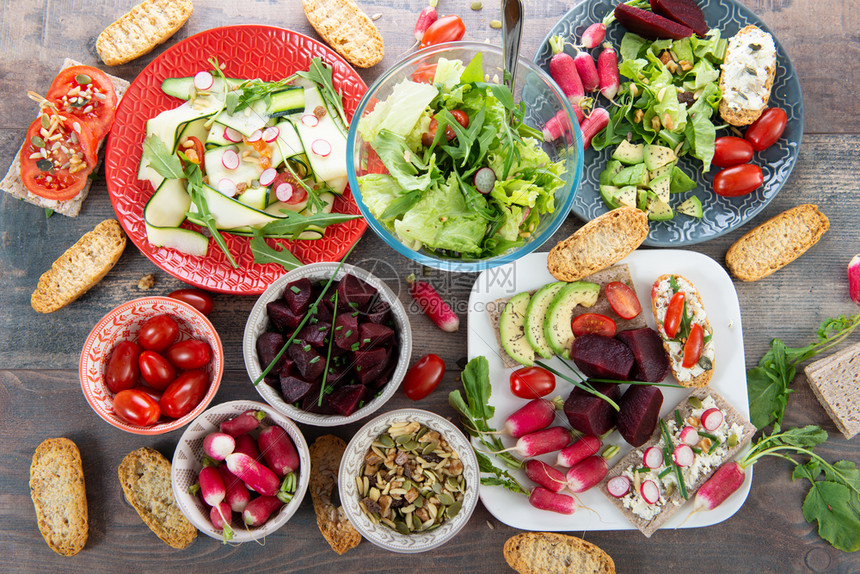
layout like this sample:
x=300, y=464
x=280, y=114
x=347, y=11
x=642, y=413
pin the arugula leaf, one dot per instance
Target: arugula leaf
x=161, y=160
x=265, y=253
x=292, y=223
x=321, y=74
x=203, y=216
x=401, y=205
x=502, y=477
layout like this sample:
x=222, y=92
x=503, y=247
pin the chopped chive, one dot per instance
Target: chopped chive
x=355, y=346
x=314, y=360
x=664, y=472
x=338, y=328
x=714, y=446
x=678, y=420
x=696, y=449
x=322, y=328
x=709, y=435
x=348, y=333
x=357, y=368
x=306, y=348
x=295, y=289
x=355, y=314
x=365, y=341
x=353, y=304
x=328, y=353
x=314, y=320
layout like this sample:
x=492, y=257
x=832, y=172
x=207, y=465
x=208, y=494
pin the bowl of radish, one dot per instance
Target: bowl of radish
x=240, y=471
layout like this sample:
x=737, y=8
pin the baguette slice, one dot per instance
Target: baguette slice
x=670, y=503
x=835, y=382
x=59, y=495
x=697, y=376
x=338, y=531
x=741, y=104
x=78, y=269
x=776, y=242
x=347, y=29
x=601, y=242
x=144, y=27
x=145, y=478
x=553, y=553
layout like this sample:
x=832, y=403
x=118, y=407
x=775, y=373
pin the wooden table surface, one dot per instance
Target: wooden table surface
x=40, y=394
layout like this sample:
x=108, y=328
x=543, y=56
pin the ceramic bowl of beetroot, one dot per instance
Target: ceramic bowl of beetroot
x=327, y=344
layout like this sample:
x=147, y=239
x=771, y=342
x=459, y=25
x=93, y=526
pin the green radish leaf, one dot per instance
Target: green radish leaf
x=828, y=503
x=476, y=380
x=766, y=396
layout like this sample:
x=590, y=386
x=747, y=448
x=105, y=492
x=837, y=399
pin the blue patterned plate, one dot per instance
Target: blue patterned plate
x=721, y=214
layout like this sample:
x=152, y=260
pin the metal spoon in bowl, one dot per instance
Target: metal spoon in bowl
x=512, y=32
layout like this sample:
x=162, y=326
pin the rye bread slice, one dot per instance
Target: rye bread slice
x=553, y=553
x=326, y=452
x=835, y=382
x=673, y=502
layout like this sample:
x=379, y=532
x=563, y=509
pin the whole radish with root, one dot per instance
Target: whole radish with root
x=562, y=69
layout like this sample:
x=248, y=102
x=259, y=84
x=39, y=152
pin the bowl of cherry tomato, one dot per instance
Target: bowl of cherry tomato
x=151, y=365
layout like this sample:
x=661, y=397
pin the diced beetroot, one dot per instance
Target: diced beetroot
x=650, y=25
x=345, y=331
x=374, y=335
x=354, y=293
x=309, y=403
x=651, y=363
x=371, y=364
x=282, y=316
x=379, y=312
x=314, y=334
x=640, y=409
x=295, y=389
x=322, y=314
x=685, y=12
x=590, y=414
x=602, y=357
x=268, y=346
x=288, y=367
x=345, y=400
x=298, y=295
x=309, y=363
x=339, y=373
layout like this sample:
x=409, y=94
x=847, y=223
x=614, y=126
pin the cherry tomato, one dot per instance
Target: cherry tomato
x=200, y=300
x=729, y=151
x=155, y=394
x=136, y=407
x=424, y=73
x=593, y=323
x=767, y=129
x=300, y=194
x=87, y=94
x=738, y=180
x=184, y=393
x=623, y=300
x=532, y=382
x=193, y=149
x=122, y=368
x=445, y=29
x=672, y=320
x=423, y=377
x=428, y=136
x=694, y=345
x=189, y=354
x=156, y=370
x=157, y=333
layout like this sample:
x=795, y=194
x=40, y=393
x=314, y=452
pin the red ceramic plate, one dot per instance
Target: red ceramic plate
x=247, y=52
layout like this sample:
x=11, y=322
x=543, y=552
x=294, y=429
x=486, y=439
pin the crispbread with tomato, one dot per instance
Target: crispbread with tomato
x=61, y=148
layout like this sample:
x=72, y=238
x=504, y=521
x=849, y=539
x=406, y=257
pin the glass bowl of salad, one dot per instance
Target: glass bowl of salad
x=451, y=169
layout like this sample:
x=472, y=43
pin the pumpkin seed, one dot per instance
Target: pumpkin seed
x=37, y=141
x=695, y=402
x=83, y=79
x=428, y=448
x=495, y=24
x=45, y=165
x=733, y=441
x=385, y=441
x=454, y=509
x=417, y=522
x=46, y=121
x=445, y=499
x=418, y=502
x=452, y=483
x=402, y=439
x=437, y=488
x=410, y=445
x=422, y=432
x=477, y=5
x=401, y=527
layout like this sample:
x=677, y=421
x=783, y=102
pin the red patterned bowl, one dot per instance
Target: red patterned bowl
x=124, y=323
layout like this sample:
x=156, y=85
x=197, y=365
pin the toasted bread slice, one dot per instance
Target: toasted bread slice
x=144, y=27
x=59, y=495
x=82, y=265
x=699, y=375
x=835, y=382
x=776, y=242
x=145, y=478
x=347, y=29
x=744, y=100
x=671, y=500
x=601, y=242
x=553, y=553
x=338, y=531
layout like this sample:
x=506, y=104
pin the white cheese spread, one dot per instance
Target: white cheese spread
x=697, y=313
x=745, y=70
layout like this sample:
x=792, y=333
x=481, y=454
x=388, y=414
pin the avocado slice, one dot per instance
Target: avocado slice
x=661, y=186
x=557, y=329
x=627, y=195
x=692, y=207
x=658, y=210
x=656, y=156
x=634, y=175
x=661, y=171
x=512, y=330
x=536, y=318
x=612, y=167
x=681, y=182
x=607, y=194
x=628, y=153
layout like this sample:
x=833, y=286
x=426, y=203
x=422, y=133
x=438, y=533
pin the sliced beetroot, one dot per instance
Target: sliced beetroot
x=322, y=314
x=651, y=363
x=650, y=25
x=298, y=295
x=309, y=363
x=370, y=364
x=602, y=357
x=590, y=414
x=339, y=373
x=685, y=12
x=354, y=293
x=311, y=403
x=268, y=346
x=640, y=409
x=314, y=334
x=282, y=316
x=379, y=312
x=295, y=389
x=288, y=366
x=372, y=335
x=345, y=331
x=345, y=400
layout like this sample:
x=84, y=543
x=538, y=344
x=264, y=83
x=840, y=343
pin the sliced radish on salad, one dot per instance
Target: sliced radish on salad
x=712, y=419
x=683, y=455
x=271, y=133
x=653, y=457
x=227, y=187
x=284, y=191
x=485, y=179
x=230, y=159
x=268, y=176
x=203, y=80
x=689, y=436
x=256, y=135
x=321, y=147
x=310, y=120
x=650, y=492
x=232, y=135
x=618, y=486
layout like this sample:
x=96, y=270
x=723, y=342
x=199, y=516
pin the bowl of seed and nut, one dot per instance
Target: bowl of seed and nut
x=408, y=480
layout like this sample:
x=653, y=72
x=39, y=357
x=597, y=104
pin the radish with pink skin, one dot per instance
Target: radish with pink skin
x=712, y=419
x=854, y=279
x=593, y=125
x=559, y=124
x=650, y=492
x=724, y=482
x=562, y=69
x=579, y=451
x=587, y=71
x=543, y=499
x=255, y=475
x=433, y=305
x=242, y=423
x=689, y=436
x=425, y=18
x=260, y=509
x=235, y=492
x=247, y=445
x=607, y=70
x=535, y=415
x=211, y=485
x=221, y=516
x=594, y=35
x=653, y=457
x=217, y=445
x=683, y=455
x=618, y=486
x=278, y=450
x=541, y=442
x=586, y=473
x=543, y=474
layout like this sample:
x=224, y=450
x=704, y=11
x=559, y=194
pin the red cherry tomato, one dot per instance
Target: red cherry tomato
x=593, y=323
x=136, y=407
x=194, y=151
x=672, y=320
x=767, y=129
x=122, y=370
x=184, y=393
x=424, y=73
x=428, y=136
x=532, y=382
x=157, y=333
x=738, y=180
x=623, y=300
x=423, y=377
x=87, y=94
x=729, y=151
x=300, y=194
x=693, y=347
x=155, y=394
x=189, y=354
x=445, y=29
x=200, y=300
x=156, y=370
